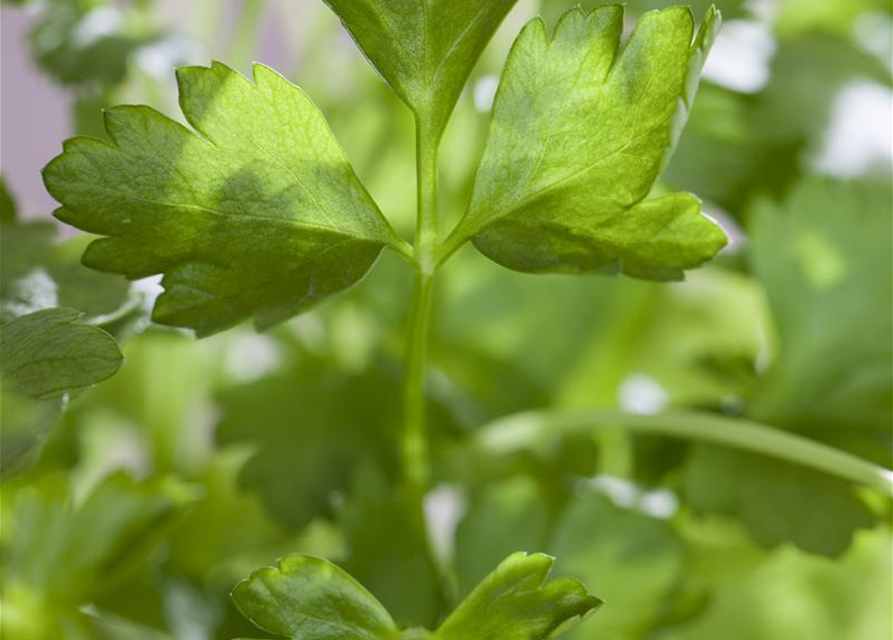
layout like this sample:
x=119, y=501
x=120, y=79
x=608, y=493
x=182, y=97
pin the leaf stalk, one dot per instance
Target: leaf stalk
x=522, y=430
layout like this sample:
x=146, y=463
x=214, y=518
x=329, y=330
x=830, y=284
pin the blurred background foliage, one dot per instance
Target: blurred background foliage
x=133, y=515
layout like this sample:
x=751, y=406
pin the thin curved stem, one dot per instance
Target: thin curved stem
x=523, y=430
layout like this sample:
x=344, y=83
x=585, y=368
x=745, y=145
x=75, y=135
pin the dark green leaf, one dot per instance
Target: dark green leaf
x=309, y=598
x=37, y=274
x=826, y=262
x=8, y=207
x=308, y=438
x=44, y=355
x=389, y=551
x=775, y=501
x=47, y=352
x=259, y=216
x=425, y=49
x=582, y=126
x=66, y=43
x=516, y=602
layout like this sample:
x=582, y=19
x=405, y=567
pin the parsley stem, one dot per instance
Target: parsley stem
x=414, y=441
x=523, y=430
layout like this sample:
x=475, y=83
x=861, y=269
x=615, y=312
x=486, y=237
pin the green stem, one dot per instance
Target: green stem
x=414, y=441
x=527, y=429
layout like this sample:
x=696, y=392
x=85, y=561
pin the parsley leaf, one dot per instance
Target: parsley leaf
x=59, y=556
x=515, y=601
x=260, y=215
x=775, y=501
x=820, y=255
x=582, y=126
x=38, y=274
x=309, y=598
x=425, y=49
x=48, y=352
x=43, y=356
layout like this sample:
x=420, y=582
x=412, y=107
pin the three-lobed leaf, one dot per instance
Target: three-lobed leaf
x=425, y=49
x=582, y=126
x=255, y=214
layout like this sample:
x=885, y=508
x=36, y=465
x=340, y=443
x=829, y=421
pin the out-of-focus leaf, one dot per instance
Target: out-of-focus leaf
x=581, y=129
x=259, y=217
x=775, y=501
x=634, y=562
x=59, y=557
x=825, y=259
x=308, y=598
x=85, y=41
x=389, y=553
x=38, y=274
x=516, y=601
x=791, y=594
x=509, y=515
x=425, y=50
x=310, y=439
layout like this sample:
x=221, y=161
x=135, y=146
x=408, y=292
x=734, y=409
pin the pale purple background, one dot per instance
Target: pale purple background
x=35, y=113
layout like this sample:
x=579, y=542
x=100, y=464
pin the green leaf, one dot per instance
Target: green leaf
x=68, y=45
x=44, y=355
x=511, y=515
x=47, y=352
x=820, y=255
x=425, y=49
x=389, y=552
x=73, y=554
x=258, y=215
x=631, y=560
x=308, y=440
x=516, y=602
x=775, y=501
x=8, y=206
x=38, y=274
x=308, y=598
x=582, y=126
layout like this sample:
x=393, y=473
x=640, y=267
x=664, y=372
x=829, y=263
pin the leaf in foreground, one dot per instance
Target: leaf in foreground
x=309, y=598
x=424, y=49
x=582, y=126
x=515, y=601
x=258, y=215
